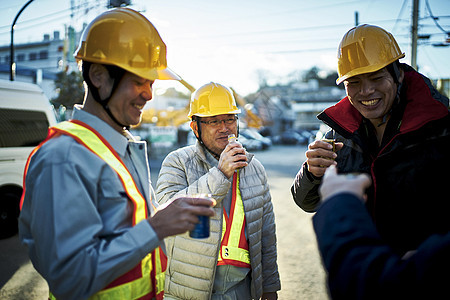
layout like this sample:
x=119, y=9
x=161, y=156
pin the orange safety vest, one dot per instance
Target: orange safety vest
x=234, y=245
x=146, y=280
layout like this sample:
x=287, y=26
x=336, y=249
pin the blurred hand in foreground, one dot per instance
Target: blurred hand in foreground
x=333, y=184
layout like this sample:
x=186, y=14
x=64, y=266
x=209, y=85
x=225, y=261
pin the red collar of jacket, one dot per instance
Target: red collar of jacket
x=421, y=108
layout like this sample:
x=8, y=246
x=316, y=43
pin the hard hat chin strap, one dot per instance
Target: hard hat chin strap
x=199, y=137
x=116, y=74
x=199, y=131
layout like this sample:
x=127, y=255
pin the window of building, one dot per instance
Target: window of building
x=33, y=56
x=43, y=54
x=20, y=57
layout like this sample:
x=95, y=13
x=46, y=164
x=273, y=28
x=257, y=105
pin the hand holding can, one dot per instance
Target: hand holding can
x=332, y=143
x=201, y=230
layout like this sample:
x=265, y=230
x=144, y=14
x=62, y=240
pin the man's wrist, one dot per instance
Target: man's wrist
x=310, y=175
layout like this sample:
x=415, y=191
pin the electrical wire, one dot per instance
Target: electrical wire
x=45, y=19
x=435, y=18
x=399, y=14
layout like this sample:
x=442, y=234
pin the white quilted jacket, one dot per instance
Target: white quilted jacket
x=192, y=262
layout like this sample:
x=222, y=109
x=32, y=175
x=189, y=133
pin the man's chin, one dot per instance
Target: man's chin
x=218, y=151
x=135, y=122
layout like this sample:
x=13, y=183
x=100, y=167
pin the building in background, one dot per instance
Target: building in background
x=293, y=106
x=39, y=62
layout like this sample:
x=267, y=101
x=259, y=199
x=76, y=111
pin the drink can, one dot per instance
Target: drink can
x=331, y=142
x=201, y=229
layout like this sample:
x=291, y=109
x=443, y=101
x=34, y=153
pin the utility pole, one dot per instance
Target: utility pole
x=11, y=47
x=356, y=18
x=414, y=29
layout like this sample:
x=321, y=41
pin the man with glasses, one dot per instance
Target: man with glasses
x=239, y=258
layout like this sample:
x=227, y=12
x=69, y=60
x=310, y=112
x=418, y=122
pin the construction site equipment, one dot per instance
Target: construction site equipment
x=170, y=116
x=251, y=119
x=177, y=117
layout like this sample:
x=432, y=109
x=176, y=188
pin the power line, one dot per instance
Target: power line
x=283, y=30
x=434, y=18
x=291, y=11
x=399, y=14
x=35, y=19
x=59, y=15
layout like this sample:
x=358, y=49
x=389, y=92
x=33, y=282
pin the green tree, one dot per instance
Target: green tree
x=330, y=80
x=312, y=73
x=70, y=89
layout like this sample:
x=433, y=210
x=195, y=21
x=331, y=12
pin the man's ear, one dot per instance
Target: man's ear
x=98, y=75
x=194, y=127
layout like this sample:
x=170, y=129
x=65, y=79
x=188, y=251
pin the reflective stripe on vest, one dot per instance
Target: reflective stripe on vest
x=234, y=246
x=138, y=282
x=99, y=146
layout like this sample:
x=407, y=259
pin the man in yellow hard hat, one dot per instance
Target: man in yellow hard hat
x=239, y=258
x=394, y=126
x=88, y=212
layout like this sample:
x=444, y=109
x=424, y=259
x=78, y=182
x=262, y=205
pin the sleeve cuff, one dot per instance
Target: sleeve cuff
x=146, y=236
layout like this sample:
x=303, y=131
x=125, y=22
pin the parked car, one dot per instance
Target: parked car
x=308, y=134
x=291, y=137
x=25, y=115
x=250, y=133
x=250, y=144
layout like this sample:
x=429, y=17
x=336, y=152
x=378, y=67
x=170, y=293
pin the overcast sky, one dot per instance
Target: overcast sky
x=234, y=42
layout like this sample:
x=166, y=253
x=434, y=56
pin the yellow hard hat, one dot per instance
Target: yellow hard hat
x=366, y=49
x=125, y=38
x=212, y=99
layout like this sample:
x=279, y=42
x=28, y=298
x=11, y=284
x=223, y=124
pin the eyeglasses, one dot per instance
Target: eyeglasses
x=217, y=123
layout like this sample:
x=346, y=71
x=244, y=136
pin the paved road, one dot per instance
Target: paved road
x=299, y=264
x=302, y=276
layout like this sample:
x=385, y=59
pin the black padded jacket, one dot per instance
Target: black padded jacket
x=409, y=199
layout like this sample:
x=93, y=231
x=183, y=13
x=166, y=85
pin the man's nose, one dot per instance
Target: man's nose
x=367, y=87
x=222, y=125
x=147, y=92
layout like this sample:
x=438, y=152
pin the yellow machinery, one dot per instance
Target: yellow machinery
x=178, y=117
x=168, y=117
x=251, y=118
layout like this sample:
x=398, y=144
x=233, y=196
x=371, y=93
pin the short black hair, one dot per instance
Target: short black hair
x=114, y=72
x=394, y=70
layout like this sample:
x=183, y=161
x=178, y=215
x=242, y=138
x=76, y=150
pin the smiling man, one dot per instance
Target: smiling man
x=88, y=210
x=239, y=258
x=393, y=125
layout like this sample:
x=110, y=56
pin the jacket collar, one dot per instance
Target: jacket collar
x=118, y=141
x=421, y=108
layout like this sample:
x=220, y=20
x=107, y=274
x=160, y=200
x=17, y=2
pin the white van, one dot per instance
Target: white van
x=25, y=115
